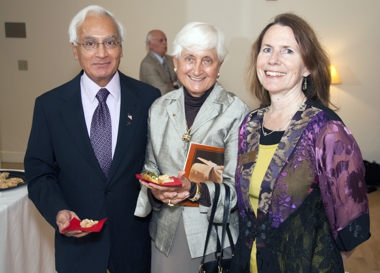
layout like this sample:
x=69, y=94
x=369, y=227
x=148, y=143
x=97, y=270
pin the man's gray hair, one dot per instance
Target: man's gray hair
x=148, y=39
x=200, y=36
x=78, y=20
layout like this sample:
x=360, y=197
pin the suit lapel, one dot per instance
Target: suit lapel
x=130, y=115
x=160, y=67
x=207, y=112
x=211, y=108
x=170, y=66
x=73, y=118
x=176, y=112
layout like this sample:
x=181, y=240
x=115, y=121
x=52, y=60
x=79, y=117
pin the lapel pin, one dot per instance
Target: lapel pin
x=130, y=116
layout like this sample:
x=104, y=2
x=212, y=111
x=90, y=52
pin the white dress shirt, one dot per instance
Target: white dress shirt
x=89, y=89
x=159, y=58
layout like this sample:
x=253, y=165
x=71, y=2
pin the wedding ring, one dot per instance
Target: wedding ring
x=170, y=204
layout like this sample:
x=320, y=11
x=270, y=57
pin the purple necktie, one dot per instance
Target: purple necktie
x=101, y=132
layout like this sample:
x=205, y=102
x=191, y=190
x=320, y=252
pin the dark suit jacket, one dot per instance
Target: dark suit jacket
x=153, y=72
x=62, y=172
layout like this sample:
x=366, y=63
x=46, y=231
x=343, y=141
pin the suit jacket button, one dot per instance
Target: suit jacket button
x=107, y=192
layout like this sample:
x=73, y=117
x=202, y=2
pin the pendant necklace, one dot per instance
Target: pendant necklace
x=186, y=136
x=277, y=130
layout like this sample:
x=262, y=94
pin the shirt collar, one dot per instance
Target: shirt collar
x=91, y=89
x=159, y=58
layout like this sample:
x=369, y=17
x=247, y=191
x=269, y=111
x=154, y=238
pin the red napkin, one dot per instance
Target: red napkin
x=176, y=183
x=75, y=225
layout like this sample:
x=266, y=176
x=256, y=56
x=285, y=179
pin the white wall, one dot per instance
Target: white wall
x=347, y=28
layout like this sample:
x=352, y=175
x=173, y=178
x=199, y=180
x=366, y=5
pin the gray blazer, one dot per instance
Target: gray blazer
x=216, y=124
x=152, y=72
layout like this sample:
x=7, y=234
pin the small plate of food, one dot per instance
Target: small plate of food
x=85, y=225
x=11, y=179
x=161, y=180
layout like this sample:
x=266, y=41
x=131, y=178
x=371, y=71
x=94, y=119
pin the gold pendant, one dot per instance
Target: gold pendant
x=186, y=137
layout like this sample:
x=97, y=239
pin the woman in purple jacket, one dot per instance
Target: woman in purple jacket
x=302, y=197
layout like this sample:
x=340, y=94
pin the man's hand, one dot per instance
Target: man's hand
x=63, y=221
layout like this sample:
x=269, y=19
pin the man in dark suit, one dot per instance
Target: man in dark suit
x=157, y=68
x=70, y=176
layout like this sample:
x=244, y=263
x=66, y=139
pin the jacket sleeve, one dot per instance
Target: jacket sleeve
x=343, y=188
x=41, y=169
x=143, y=206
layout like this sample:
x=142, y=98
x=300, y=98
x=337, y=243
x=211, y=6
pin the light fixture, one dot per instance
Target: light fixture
x=334, y=75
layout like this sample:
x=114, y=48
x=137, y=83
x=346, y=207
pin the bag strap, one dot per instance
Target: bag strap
x=225, y=222
x=230, y=239
x=210, y=224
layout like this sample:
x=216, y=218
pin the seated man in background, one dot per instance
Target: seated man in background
x=157, y=68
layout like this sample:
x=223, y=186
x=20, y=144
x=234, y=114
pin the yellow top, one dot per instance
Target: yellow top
x=264, y=157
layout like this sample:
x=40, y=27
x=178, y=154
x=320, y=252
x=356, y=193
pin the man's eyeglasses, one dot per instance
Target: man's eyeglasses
x=109, y=44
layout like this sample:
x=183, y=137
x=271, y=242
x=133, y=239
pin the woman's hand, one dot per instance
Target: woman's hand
x=186, y=183
x=173, y=194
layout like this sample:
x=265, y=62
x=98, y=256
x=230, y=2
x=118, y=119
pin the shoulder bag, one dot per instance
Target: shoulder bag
x=220, y=265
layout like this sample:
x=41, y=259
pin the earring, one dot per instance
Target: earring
x=175, y=70
x=304, y=86
x=218, y=76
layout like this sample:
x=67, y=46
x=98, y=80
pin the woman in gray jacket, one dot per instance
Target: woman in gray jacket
x=201, y=111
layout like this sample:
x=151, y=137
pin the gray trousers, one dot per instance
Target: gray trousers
x=179, y=259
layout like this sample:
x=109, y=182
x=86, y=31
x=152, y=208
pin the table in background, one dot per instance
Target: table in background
x=26, y=239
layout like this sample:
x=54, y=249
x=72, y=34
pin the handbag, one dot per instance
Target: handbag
x=220, y=265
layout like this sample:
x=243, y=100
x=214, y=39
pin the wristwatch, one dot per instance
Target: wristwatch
x=197, y=194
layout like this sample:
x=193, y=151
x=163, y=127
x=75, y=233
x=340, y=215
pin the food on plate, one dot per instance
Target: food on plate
x=11, y=182
x=165, y=179
x=87, y=223
x=150, y=176
x=153, y=177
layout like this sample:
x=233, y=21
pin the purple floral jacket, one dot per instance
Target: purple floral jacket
x=313, y=199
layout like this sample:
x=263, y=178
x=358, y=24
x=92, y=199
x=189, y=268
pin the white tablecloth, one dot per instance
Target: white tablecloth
x=26, y=239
